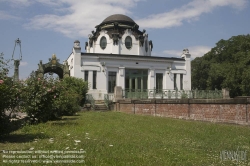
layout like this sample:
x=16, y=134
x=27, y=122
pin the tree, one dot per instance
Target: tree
x=4, y=68
x=9, y=96
x=224, y=66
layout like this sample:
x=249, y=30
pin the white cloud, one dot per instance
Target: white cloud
x=80, y=17
x=173, y=53
x=77, y=18
x=18, y=3
x=22, y=63
x=195, y=51
x=189, y=12
x=6, y=16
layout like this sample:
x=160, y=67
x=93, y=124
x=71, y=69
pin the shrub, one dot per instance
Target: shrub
x=42, y=99
x=4, y=120
x=48, y=98
x=9, y=97
x=38, y=98
x=77, y=85
x=67, y=103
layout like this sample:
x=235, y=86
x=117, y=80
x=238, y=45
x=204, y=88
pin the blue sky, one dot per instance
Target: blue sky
x=46, y=27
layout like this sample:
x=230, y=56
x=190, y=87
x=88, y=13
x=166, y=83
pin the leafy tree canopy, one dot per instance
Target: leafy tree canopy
x=227, y=65
x=4, y=68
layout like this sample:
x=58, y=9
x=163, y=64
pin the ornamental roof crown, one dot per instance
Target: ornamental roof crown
x=118, y=18
x=117, y=21
x=54, y=56
x=116, y=24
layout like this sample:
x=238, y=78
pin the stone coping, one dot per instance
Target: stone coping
x=244, y=100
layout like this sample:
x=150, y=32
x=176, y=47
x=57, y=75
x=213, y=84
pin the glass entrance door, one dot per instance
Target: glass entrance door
x=133, y=82
x=136, y=81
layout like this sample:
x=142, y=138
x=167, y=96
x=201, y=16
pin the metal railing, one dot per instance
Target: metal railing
x=171, y=94
x=108, y=98
x=90, y=100
x=208, y=94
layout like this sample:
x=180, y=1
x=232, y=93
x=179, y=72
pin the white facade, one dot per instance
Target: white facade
x=120, y=47
x=112, y=59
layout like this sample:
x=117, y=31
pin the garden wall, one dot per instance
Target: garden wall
x=235, y=110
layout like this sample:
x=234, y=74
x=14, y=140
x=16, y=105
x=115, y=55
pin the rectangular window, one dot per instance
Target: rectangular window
x=139, y=83
x=94, y=79
x=86, y=75
x=159, y=82
x=145, y=82
x=127, y=82
x=111, y=81
x=136, y=79
x=181, y=82
x=175, y=86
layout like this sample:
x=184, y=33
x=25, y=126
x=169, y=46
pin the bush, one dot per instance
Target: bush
x=72, y=95
x=9, y=96
x=48, y=98
x=38, y=98
x=68, y=103
x=9, y=101
x=42, y=99
x=77, y=85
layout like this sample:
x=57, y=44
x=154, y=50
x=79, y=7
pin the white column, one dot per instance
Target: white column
x=151, y=78
x=169, y=80
x=165, y=81
x=121, y=77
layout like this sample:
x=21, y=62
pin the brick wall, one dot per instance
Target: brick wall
x=223, y=110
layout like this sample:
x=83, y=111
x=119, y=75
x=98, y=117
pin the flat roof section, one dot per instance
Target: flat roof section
x=133, y=56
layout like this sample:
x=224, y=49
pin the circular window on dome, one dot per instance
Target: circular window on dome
x=103, y=42
x=128, y=42
x=146, y=45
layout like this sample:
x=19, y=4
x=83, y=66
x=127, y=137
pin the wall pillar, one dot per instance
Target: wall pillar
x=225, y=93
x=187, y=76
x=77, y=59
x=117, y=93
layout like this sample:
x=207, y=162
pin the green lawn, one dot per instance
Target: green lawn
x=113, y=138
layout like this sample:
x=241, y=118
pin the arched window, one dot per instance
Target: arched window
x=128, y=42
x=103, y=42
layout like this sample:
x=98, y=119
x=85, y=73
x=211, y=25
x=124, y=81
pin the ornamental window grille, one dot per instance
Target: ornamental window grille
x=159, y=82
x=128, y=42
x=111, y=81
x=94, y=79
x=86, y=75
x=103, y=42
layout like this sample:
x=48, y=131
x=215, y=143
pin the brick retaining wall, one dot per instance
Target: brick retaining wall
x=222, y=110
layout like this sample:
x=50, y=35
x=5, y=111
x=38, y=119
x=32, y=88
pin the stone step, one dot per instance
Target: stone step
x=100, y=107
x=99, y=102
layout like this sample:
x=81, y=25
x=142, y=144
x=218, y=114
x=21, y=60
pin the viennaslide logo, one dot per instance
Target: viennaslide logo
x=233, y=155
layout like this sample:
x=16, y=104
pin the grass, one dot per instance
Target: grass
x=113, y=138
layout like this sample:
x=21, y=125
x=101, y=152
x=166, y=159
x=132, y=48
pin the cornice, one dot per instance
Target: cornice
x=133, y=57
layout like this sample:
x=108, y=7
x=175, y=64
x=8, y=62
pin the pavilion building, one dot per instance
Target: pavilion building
x=117, y=53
